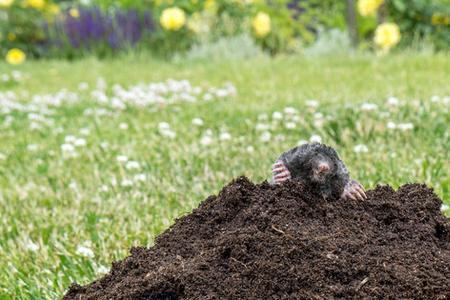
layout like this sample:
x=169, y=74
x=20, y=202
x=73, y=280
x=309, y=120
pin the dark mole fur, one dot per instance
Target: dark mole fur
x=301, y=162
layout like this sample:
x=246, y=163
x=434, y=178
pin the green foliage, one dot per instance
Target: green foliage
x=50, y=206
x=231, y=48
x=332, y=42
x=423, y=19
x=21, y=27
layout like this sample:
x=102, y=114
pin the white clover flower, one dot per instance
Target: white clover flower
x=168, y=133
x=302, y=142
x=263, y=117
x=104, y=188
x=68, y=150
x=102, y=270
x=262, y=127
x=85, y=131
x=118, y=104
x=296, y=118
x=197, y=122
x=164, y=130
x=132, y=165
x=221, y=93
x=206, y=140
x=122, y=158
x=405, y=126
x=290, y=125
x=435, y=98
x=290, y=110
x=318, y=122
x=123, y=126
x=312, y=103
x=225, y=136
x=445, y=207
x=85, y=251
x=73, y=185
x=126, y=183
x=2, y=156
x=163, y=126
x=265, y=137
x=35, y=126
x=208, y=97
x=368, y=106
x=392, y=101
x=82, y=86
x=140, y=177
x=104, y=145
x=70, y=139
x=280, y=138
x=250, y=149
x=315, y=139
x=361, y=148
x=391, y=125
x=318, y=116
x=31, y=246
x=80, y=142
x=32, y=147
x=276, y=115
x=418, y=161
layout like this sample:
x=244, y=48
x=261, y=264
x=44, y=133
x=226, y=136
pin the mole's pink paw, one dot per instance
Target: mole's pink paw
x=353, y=190
x=280, y=172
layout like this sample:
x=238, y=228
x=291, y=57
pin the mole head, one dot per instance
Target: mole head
x=321, y=168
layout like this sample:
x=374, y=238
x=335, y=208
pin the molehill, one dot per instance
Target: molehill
x=284, y=242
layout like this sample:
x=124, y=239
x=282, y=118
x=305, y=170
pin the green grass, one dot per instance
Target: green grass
x=58, y=204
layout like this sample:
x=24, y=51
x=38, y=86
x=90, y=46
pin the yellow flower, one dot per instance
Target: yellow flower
x=6, y=3
x=15, y=56
x=387, y=35
x=368, y=7
x=439, y=19
x=261, y=24
x=210, y=5
x=37, y=4
x=12, y=36
x=74, y=13
x=53, y=9
x=172, y=18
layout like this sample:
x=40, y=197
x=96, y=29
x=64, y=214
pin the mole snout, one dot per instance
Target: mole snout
x=321, y=171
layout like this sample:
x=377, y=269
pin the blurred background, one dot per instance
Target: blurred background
x=70, y=29
x=116, y=117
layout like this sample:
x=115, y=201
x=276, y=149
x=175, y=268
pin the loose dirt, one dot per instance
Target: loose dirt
x=284, y=242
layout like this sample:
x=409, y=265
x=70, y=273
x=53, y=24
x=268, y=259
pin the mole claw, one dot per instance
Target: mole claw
x=360, y=192
x=348, y=194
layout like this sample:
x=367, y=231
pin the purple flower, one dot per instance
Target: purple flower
x=96, y=29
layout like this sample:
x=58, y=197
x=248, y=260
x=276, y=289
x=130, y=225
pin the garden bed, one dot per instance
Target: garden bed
x=284, y=242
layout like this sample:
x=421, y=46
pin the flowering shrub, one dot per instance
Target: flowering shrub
x=261, y=24
x=20, y=24
x=106, y=26
x=368, y=7
x=387, y=35
x=416, y=20
x=15, y=56
x=173, y=18
x=419, y=19
x=82, y=30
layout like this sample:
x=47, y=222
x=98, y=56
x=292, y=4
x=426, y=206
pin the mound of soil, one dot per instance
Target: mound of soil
x=284, y=242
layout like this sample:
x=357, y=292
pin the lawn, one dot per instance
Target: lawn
x=92, y=167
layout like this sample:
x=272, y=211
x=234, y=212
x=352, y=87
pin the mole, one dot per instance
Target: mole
x=320, y=167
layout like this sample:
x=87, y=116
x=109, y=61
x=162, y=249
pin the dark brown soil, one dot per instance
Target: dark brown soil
x=283, y=242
